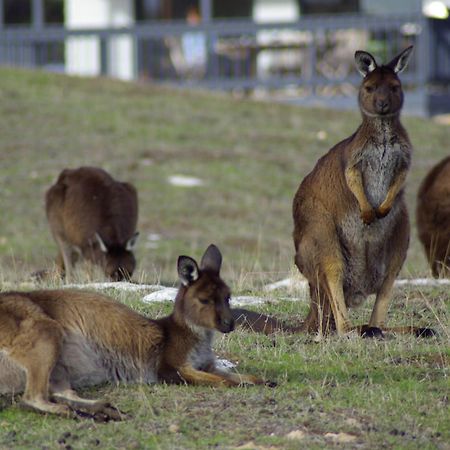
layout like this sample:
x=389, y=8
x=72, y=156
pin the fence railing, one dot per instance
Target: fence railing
x=313, y=56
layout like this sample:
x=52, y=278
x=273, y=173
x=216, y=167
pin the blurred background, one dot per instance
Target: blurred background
x=294, y=50
x=161, y=94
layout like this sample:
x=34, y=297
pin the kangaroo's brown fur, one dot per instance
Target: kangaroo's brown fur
x=93, y=216
x=433, y=217
x=351, y=228
x=54, y=341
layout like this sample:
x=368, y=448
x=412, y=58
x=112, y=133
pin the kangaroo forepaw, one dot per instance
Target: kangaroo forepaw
x=382, y=212
x=372, y=332
x=368, y=216
x=425, y=332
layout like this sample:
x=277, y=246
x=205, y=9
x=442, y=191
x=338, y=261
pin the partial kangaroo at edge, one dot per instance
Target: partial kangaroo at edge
x=433, y=217
x=351, y=226
x=54, y=341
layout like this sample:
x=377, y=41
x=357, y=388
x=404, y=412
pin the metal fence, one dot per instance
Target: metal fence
x=312, y=57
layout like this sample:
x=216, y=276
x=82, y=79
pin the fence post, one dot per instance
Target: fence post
x=103, y=55
x=2, y=14
x=206, y=15
x=37, y=23
x=424, y=61
x=37, y=12
x=2, y=22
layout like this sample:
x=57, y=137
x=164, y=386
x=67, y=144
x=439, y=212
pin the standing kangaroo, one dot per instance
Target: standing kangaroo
x=433, y=217
x=93, y=216
x=351, y=227
x=57, y=340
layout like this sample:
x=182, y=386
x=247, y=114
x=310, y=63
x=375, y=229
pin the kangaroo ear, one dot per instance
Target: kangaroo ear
x=212, y=259
x=132, y=242
x=101, y=244
x=187, y=270
x=365, y=62
x=399, y=63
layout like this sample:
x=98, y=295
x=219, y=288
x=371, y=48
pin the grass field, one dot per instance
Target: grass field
x=345, y=393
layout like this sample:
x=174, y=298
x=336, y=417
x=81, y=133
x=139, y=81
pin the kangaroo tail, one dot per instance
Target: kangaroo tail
x=260, y=323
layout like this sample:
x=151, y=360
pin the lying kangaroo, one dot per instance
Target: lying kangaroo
x=351, y=227
x=93, y=216
x=54, y=341
x=433, y=217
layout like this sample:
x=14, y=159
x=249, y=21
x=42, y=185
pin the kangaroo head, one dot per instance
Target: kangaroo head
x=118, y=260
x=380, y=93
x=204, y=297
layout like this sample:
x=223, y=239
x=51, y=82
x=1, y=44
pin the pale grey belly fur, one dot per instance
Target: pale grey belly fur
x=378, y=166
x=364, y=250
x=88, y=364
x=364, y=246
x=202, y=357
x=84, y=364
x=12, y=376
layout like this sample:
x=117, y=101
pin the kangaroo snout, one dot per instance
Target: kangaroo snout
x=225, y=325
x=120, y=275
x=382, y=106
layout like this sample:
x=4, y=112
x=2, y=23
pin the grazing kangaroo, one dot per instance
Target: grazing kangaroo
x=433, y=217
x=54, y=341
x=351, y=227
x=93, y=216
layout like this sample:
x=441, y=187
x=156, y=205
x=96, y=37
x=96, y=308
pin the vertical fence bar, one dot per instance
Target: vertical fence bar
x=37, y=12
x=103, y=55
x=312, y=57
x=206, y=15
x=2, y=22
x=37, y=23
x=424, y=62
x=2, y=14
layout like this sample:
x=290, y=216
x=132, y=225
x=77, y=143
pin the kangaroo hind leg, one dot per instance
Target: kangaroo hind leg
x=61, y=392
x=99, y=410
x=36, y=348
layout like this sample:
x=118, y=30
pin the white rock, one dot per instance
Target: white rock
x=185, y=181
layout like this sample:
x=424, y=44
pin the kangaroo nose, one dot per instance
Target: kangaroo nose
x=227, y=325
x=382, y=105
x=116, y=276
x=120, y=275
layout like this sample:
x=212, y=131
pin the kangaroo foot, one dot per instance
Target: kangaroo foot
x=372, y=332
x=47, y=407
x=425, y=332
x=99, y=411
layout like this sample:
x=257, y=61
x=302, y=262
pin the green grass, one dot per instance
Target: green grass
x=383, y=394
x=252, y=156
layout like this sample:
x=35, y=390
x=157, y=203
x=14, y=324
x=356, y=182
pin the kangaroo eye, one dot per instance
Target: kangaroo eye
x=204, y=301
x=394, y=88
x=369, y=89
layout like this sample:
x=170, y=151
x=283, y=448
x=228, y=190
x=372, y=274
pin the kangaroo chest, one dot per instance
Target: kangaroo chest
x=380, y=162
x=201, y=355
x=364, y=247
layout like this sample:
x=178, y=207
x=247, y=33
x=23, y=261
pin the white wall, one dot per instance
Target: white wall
x=83, y=53
x=274, y=11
